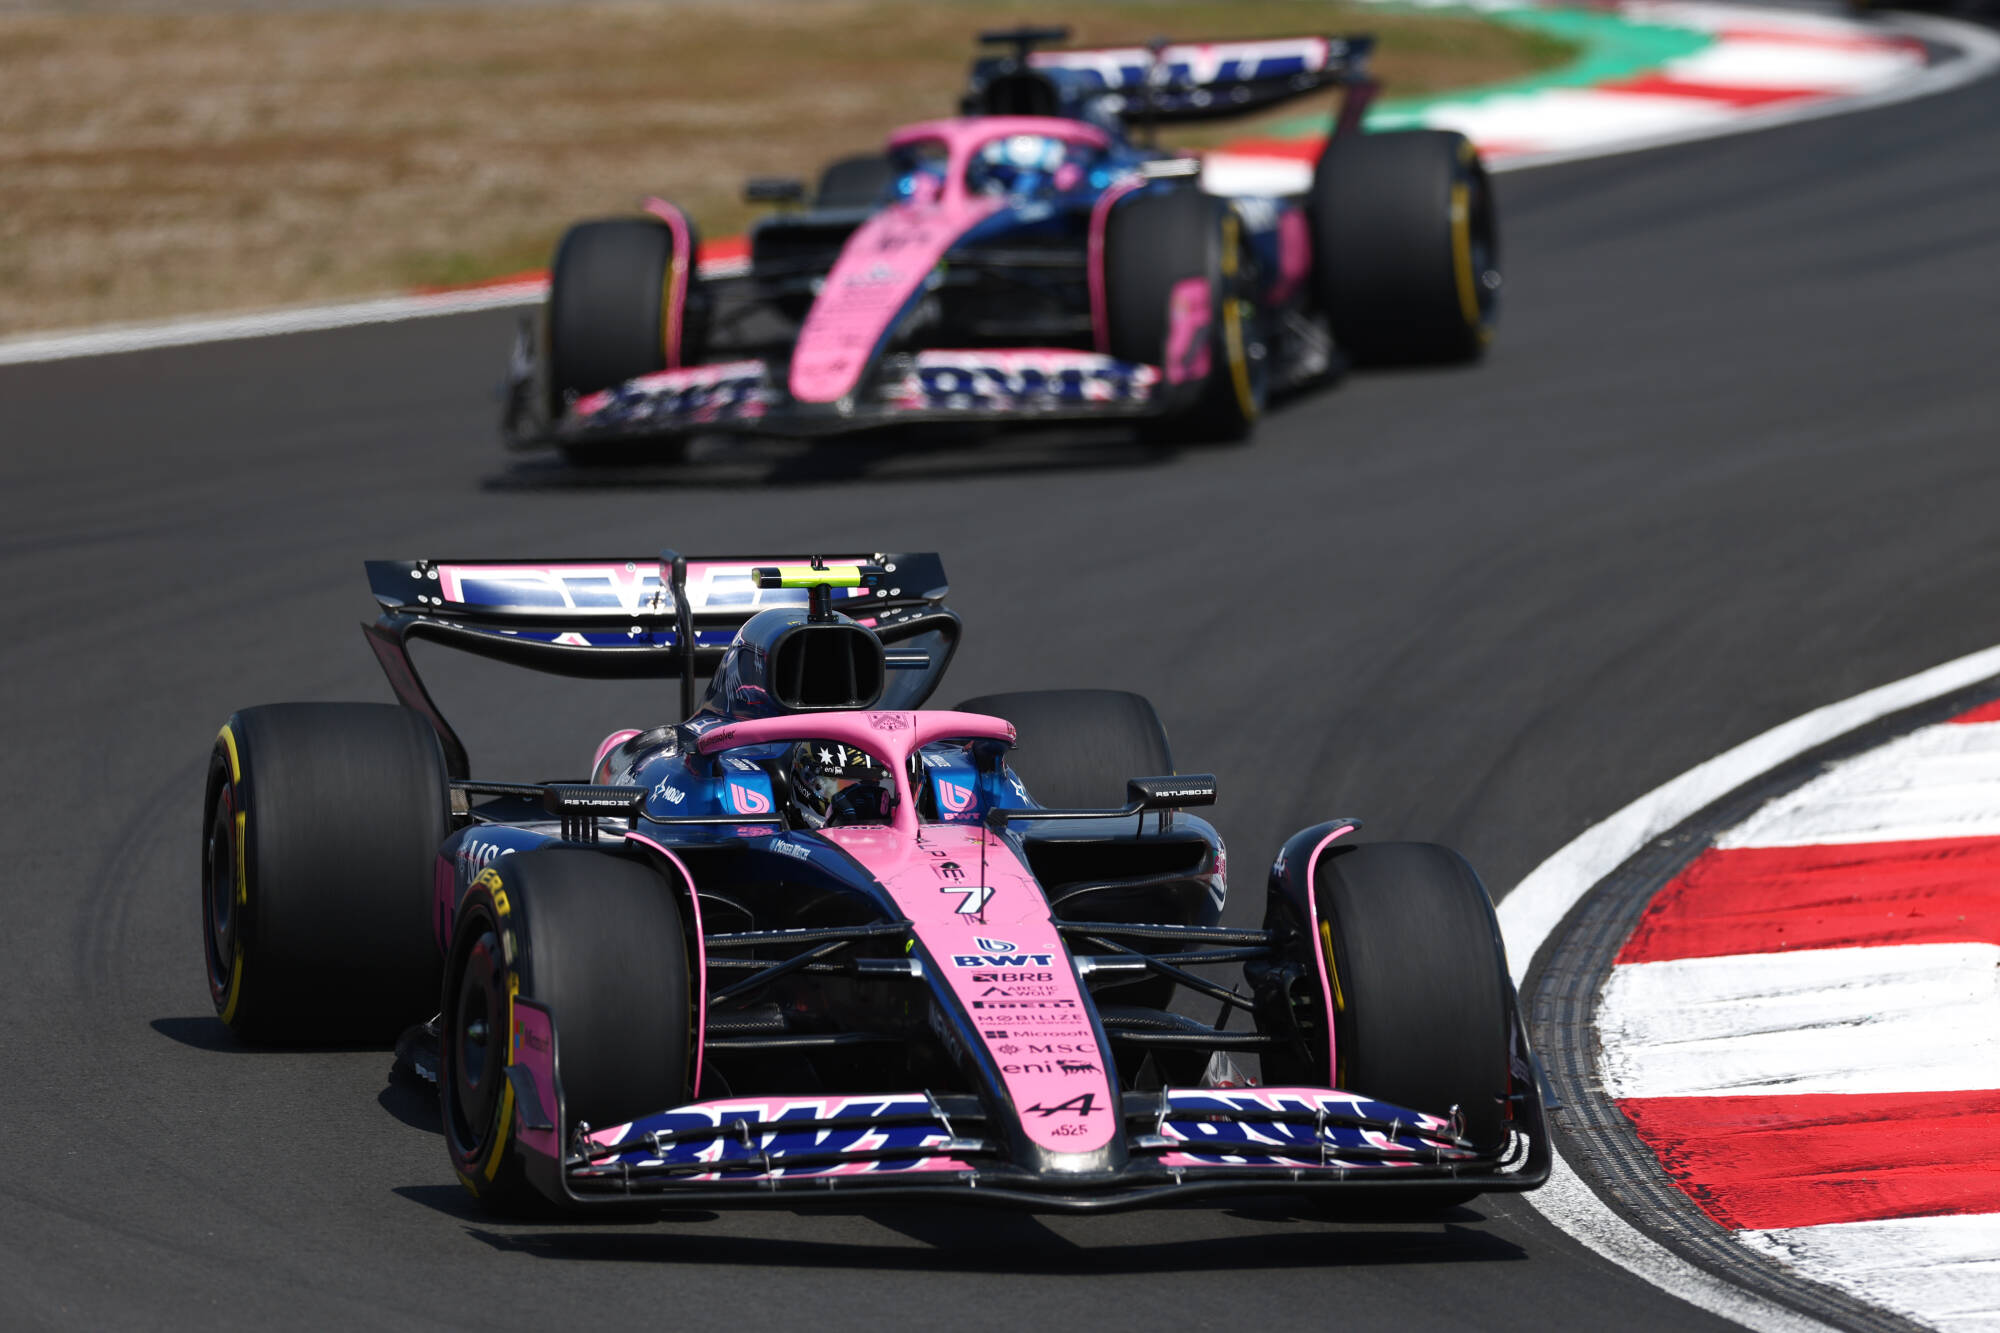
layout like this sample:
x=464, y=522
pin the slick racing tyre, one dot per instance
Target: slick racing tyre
x=1406, y=251
x=1076, y=749
x=1180, y=293
x=321, y=831
x=597, y=941
x=624, y=301
x=1419, y=982
x=859, y=181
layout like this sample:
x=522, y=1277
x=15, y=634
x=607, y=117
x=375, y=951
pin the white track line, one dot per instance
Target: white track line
x=229, y=328
x=1940, y=1270
x=1538, y=904
x=1888, y=1018
x=1979, y=55
x=1940, y=782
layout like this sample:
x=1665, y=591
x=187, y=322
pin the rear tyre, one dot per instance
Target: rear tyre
x=859, y=181
x=598, y=941
x=1419, y=981
x=1180, y=293
x=1406, y=251
x=322, y=824
x=613, y=313
x=1075, y=749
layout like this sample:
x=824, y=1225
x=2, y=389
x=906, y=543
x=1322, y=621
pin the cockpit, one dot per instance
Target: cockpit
x=832, y=784
x=1019, y=168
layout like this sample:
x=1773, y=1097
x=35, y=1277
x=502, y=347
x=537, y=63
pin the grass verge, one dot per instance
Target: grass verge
x=156, y=164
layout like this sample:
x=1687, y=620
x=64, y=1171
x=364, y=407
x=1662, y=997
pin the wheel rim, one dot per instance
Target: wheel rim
x=218, y=897
x=475, y=1035
x=1475, y=251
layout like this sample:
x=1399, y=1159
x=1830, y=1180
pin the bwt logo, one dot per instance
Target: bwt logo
x=748, y=800
x=1063, y=383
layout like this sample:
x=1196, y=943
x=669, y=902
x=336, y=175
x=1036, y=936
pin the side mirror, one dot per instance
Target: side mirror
x=784, y=190
x=1173, y=793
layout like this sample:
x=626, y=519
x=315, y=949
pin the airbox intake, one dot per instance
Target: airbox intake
x=828, y=665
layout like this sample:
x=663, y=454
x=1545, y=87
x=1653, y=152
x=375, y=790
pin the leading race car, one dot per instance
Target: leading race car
x=816, y=940
x=1035, y=258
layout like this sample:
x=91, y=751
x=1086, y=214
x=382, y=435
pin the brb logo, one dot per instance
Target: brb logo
x=1000, y=953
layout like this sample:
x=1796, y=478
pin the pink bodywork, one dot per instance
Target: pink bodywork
x=983, y=921
x=700, y=953
x=890, y=256
x=1100, y=219
x=677, y=276
x=1319, y=954
x=534, y=1051
x=1294, y=255
x=606, y=746
x=1189, y=312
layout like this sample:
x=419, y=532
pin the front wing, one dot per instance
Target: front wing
x=1178, y=1142
x=1052, y=384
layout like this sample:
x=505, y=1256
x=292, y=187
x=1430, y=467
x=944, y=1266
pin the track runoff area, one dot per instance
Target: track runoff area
x=1782, y=970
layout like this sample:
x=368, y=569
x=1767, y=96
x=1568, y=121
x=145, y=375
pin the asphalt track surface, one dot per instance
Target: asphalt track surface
x=1734, y=457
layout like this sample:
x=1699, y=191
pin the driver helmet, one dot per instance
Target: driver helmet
x=922, y=182
x=835, y=784
x=1017, y=164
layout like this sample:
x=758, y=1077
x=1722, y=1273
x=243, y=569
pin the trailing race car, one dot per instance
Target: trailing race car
x=1028, y=259
x=816, y=940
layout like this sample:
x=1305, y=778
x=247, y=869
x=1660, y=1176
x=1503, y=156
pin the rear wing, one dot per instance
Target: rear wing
x=1171, y=81
x=650, y=617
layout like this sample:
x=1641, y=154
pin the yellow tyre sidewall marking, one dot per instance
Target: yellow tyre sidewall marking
x=670, y=313
x=1461, y=258
x=1232, y=320
x=1339, y=997
x=240, y=872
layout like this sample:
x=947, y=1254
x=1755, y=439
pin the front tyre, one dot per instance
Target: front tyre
x=624, y=301
x=597, y=941
x=321, y=829
x=1076, y=749
x=1180, y=290
x=1406, y=250
x=1418, y=982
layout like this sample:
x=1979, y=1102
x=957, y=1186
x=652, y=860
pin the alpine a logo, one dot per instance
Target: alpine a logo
x=1000, y=953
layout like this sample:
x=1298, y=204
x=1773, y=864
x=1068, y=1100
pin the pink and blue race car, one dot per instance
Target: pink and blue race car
x=1037, y=257
x=814, y=939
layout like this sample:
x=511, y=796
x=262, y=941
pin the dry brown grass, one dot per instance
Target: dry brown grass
x=165, y=163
